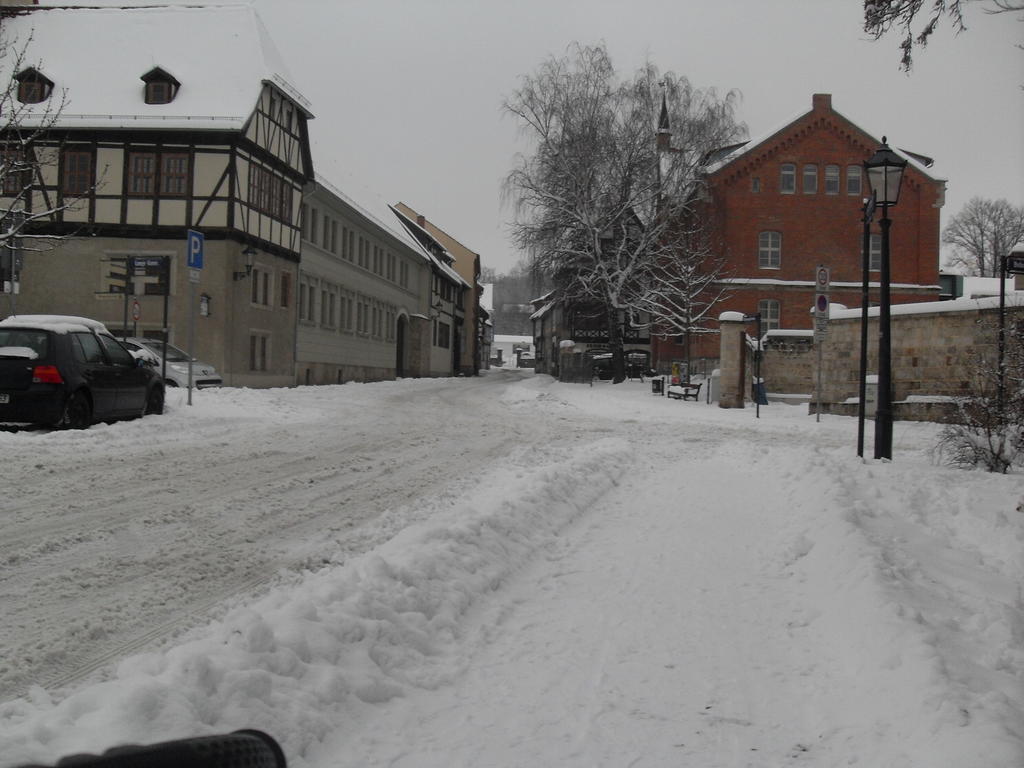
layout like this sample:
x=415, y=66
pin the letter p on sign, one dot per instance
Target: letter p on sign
x=195, y=249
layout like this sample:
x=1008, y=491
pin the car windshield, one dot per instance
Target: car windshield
x=174, y=355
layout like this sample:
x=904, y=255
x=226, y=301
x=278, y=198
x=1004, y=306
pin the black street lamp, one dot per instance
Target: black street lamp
x=885, y=174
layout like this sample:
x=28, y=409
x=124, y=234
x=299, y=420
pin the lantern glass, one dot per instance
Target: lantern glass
x=885, y=174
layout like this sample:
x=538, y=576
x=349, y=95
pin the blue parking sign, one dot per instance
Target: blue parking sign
x=195, y=249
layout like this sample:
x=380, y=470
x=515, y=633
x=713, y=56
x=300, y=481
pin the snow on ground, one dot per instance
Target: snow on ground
x=508, y=571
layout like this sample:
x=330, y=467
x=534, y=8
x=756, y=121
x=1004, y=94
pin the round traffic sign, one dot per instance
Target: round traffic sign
x=136, y=310
x=822, y=278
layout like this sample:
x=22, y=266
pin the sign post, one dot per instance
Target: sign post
x=194, y=247
x=822, y=280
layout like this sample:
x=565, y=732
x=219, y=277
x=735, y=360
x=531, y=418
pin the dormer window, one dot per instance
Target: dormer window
x=33, y=86
x=161, y=88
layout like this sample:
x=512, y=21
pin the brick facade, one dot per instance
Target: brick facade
x=745, y=199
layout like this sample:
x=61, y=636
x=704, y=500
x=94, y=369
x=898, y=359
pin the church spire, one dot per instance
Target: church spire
x=664, y=131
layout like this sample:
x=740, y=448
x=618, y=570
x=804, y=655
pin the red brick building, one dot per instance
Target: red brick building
x=787, y=202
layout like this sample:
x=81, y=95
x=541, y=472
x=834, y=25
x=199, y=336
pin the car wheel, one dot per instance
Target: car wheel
x=155, y=401
x=77, y=412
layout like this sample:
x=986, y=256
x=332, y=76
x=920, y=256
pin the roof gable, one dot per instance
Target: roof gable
x=741, y=158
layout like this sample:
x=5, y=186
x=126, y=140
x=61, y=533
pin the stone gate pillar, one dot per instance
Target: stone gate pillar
x=732, y=360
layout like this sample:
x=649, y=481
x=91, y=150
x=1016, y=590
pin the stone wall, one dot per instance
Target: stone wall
x=935, y=349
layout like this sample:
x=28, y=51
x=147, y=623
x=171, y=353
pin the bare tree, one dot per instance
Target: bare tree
x=982, y=233
x=881, y=16
x=988, y=427
x=30, y=147
x=608, y=215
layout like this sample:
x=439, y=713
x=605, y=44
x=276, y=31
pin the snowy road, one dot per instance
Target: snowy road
x=134, y=532
x=506, y=571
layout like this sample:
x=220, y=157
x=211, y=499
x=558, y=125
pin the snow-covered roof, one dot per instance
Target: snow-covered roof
x=412, y=226
x=58, y=323
x=373, y=207
x=543, y=310
x=221, y=55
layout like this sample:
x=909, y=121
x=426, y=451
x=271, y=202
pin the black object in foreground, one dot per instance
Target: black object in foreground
x=241, y=749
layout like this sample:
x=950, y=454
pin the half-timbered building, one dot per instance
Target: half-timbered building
x=161, y=120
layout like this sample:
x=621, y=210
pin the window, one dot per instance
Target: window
x=755, y=184
x=312, y=225
x=145, y=167
x=345, y=253
x=853, y=179
x=403, y=274
x=161, y=88
x=831, y=179
x=174, y=175
x=286, y=289
x=875, y=253
x=271, y=194
x=258, y=344
x=334, y=237
x=324, y=306
x=769, y=309
x=87, y=349
x=443, y=335
x=77, y=176
x=13, y=173
x=810, y=179
x=325, y=243
x=141, y=173
x=260, y=287
x=769, y=250
x=33, y=86
x=116, y=354
x=787, y=178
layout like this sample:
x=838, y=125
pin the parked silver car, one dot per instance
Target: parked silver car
x=151, y=350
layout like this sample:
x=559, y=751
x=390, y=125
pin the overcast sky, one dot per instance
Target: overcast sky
x=407, y=93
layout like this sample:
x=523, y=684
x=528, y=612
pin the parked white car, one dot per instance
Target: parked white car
x=151, y=350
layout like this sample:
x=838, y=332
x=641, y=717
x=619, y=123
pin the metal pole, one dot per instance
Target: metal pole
x=191, y=333
x=883, y=415
x=166, y=267
x=862, y=385
x=1001, y=367
x=757, y=370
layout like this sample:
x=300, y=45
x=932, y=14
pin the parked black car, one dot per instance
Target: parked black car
x=70, y=372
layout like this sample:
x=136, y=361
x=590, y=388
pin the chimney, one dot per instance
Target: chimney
x=822, y=102
x=421, y=221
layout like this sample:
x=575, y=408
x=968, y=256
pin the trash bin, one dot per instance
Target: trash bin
x=658, y=385
x=758, y=393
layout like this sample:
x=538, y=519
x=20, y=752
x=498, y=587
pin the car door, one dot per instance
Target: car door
x=131, y=377
x=100, y=377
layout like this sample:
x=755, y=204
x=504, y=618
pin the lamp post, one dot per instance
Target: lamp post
x=885, y=174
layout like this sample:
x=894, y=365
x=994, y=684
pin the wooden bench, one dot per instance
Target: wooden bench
x=685, y=391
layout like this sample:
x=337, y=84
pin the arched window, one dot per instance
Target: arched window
x=787, y=178
x=810, y=179
x=769, y=250
x=831, y=179
x=853, y=180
